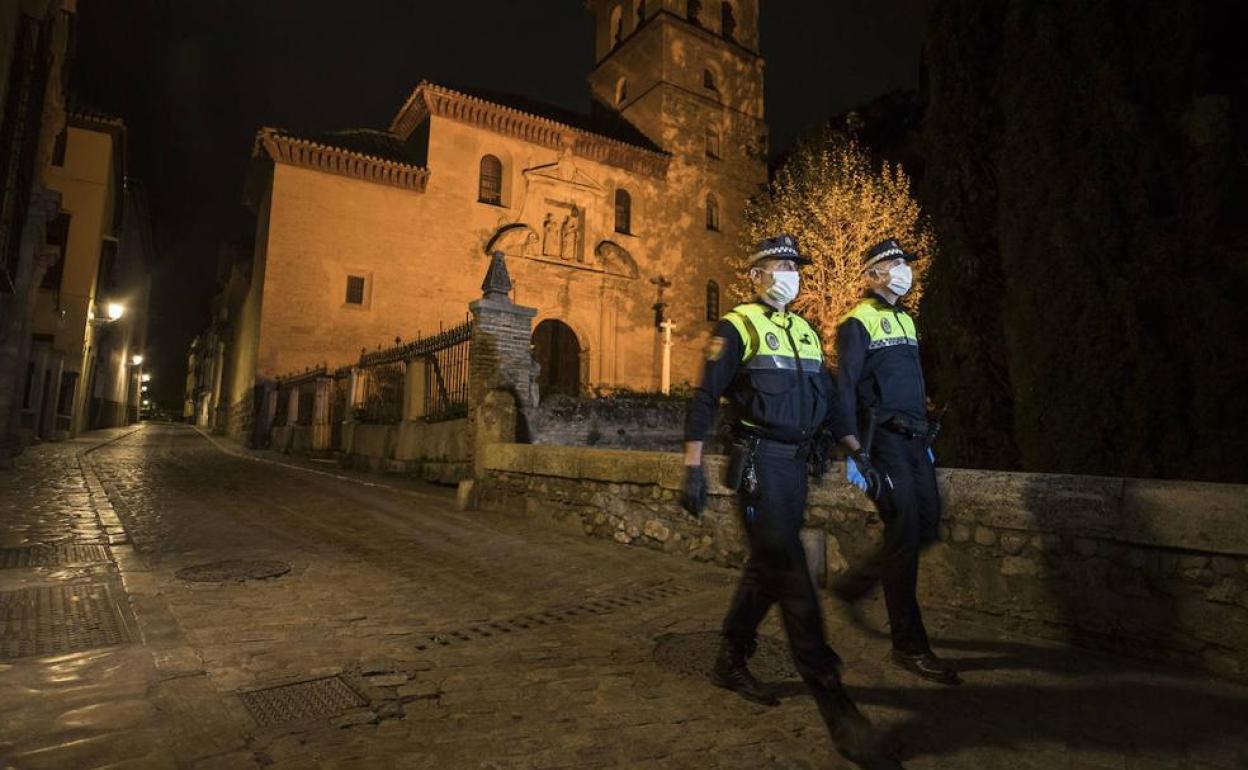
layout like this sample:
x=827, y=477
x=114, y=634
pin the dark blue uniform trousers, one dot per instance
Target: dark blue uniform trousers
x=776, y=572
x=911, y=515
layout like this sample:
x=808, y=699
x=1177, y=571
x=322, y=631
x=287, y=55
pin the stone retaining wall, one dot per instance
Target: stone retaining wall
x=1147, y=568
x=433, y=451
x=624, y=422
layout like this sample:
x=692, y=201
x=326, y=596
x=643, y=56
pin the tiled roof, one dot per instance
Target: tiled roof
x=604, y=122
x=605, y=138
x=373, y=156
x=364, y=141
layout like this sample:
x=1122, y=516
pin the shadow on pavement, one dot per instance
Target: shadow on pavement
x=1083, y=702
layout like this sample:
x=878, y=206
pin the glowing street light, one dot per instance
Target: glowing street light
x=137, y=359
x=107, y=313
x=145, y=377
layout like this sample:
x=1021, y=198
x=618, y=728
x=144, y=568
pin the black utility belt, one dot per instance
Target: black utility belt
x=746, y=448
x=902, y=425
x=783, y=449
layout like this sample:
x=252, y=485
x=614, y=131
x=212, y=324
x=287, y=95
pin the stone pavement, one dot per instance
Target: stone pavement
x=432, y=638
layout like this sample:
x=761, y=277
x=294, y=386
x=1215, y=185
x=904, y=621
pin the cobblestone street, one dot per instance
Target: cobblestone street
x=425, y=637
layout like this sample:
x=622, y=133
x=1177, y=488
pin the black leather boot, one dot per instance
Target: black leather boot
x=731, y=673
x=927, y=666
x=852, y=735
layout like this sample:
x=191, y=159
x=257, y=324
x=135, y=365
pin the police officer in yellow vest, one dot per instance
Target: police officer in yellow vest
x=769, y=363
x=881, y=392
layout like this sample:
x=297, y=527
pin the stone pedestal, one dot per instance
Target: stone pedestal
x=500, y=358
x=499, y=362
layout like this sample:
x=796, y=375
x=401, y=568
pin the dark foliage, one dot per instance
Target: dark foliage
x=1087, y=176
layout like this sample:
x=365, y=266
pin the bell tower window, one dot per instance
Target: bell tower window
x=712, y=142
x=712, y=213
x=727, y=21
x=712, y=301
x=708, y=80
x=617, y=26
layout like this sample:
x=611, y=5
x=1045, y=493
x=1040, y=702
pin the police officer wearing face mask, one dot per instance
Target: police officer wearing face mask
x=880, y=389
x=769, y=363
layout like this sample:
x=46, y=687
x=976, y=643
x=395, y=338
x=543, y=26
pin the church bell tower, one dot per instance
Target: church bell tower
x=688, y=74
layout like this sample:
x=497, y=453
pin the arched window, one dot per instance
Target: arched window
x=712, y=213
x=712, y=301
x=693, y=9
x=712, y=142
x=623, y=211
x=727, y=21
x=621, y=91
x=708, y=80
x=490, y=183
x=617, y=26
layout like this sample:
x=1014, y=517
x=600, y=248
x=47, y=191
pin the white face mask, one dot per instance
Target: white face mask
x=900, y=277
x=784, y=287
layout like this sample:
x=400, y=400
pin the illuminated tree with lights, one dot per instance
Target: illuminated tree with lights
x=838, y=203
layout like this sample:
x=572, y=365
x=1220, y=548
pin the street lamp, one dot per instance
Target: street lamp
x=113, y=311
x=146, y=377
x=136, y=359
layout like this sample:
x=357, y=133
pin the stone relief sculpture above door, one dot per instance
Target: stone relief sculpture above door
x=570, y=241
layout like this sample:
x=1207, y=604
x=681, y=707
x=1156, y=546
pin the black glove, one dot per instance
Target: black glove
x=693, y=496
x=873, y=478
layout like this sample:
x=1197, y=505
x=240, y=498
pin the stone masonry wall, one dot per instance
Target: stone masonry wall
x=1146, y=568
x=436, y=452
x=625, y=422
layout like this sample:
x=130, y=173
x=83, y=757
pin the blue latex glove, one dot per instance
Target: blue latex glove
x=853, y=475
x=931, y=455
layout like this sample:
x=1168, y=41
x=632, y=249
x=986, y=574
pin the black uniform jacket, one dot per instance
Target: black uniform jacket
x=785, y=403
x=878, y=366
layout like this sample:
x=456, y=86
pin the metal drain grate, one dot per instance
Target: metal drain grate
x=52, y=556
x=553, y=616
x=60, y=619
x=234, y=571
x=317, y=699
x=693, y=655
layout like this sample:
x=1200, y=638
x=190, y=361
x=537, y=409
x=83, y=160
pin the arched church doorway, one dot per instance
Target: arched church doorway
x=559, y=354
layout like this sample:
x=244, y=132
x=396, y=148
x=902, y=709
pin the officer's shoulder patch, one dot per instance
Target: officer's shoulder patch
x=773, y=341
x=715, y=348
x=886, y=326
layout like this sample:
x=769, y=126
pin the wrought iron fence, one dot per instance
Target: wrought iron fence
x=307, y=403
x=339, y=403
x=283, y=406
x=444, y=359
x=303, y=383
x=446, y=376
x=381, y=391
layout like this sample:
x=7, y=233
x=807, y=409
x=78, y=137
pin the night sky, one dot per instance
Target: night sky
x=194, y=81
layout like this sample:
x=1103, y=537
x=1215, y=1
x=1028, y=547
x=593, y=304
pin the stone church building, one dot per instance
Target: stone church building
x=610, y=222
